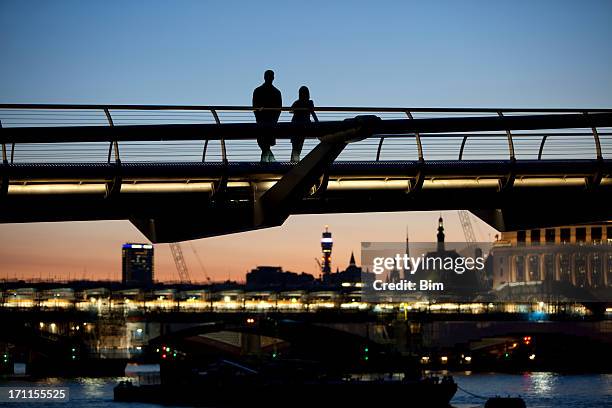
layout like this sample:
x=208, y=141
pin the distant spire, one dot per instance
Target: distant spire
x=407, y=271
x=352, y=261
x=440, y=234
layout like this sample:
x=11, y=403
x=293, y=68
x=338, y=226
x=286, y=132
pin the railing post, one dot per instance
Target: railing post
x=596, y=138
x=223, y=151
x=4, y=152
x=594, y=181
x=114, y=187
x=417, y=184
x=510, y=142
x=382, y=139
x=542, y=147
x=4, y=157
x=462, y=147
x=4, y=181
x=204, y=150
x=418, y=139
x=113, y=142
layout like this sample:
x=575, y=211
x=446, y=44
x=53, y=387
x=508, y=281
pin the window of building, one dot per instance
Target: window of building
x=520, y=269
x=534, y=267
x=581, y=234
x=596, y=234
x=549, y=267
x=596, y=271
x=566, y=234
x=609, y=233
x=580, y=268
x=535, y=237
x=550, y=235
x=565, y=272
x=521, y=237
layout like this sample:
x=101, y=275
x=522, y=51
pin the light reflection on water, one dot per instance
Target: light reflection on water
x=541, y=383
x=84, y=392
x=92, y=388
x=540, y=390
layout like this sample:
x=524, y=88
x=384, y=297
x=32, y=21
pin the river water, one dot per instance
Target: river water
x=538, y=389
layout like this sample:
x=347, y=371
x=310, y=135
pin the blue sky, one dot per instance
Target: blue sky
x=434, y=53
x=430, y=53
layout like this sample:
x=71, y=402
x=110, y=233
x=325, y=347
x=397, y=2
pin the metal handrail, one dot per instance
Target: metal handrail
x=236, y=131
x=288, y=109
x=423, y=128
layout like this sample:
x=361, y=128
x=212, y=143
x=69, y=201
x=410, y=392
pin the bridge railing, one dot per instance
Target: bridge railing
x=539, y=144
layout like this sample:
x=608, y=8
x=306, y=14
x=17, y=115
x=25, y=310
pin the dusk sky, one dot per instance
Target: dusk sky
x=409, y=54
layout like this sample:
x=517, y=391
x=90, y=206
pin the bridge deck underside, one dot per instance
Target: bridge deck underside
x=255, y=170
x=542, y=193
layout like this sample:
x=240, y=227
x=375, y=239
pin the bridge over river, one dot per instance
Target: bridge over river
x=185, y=172
x=66, y=338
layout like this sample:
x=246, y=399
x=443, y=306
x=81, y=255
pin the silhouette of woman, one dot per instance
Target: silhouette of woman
x=303, y=108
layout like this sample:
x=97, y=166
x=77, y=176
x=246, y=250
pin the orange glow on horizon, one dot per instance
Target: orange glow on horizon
x=92, y=250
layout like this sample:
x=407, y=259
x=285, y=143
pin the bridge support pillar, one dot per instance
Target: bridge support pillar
x=273, y=207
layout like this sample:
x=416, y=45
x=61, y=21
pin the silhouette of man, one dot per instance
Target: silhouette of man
x=265, y=99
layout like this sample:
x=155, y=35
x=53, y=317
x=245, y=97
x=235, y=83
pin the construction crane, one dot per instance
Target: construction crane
x=466, y=224
x=179, y=261
x=200, y=263
x=470, y=238
x=319, y=265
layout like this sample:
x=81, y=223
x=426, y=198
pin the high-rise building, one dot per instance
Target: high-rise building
x=326, y=246
x=137, y=264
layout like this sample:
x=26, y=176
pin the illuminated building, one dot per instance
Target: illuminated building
x=137, y=264
x=326, y=246
x=577, y=255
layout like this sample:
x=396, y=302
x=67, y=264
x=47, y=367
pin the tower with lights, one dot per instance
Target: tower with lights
x=326, y=246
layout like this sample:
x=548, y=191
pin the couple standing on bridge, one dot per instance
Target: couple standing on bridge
x=267, y=103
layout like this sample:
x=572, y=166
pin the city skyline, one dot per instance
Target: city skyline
x=92, y=262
